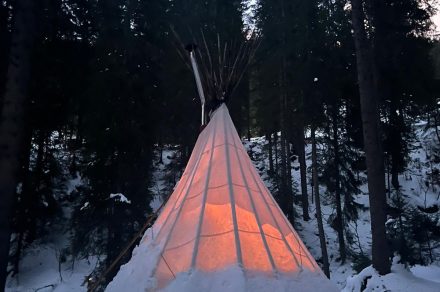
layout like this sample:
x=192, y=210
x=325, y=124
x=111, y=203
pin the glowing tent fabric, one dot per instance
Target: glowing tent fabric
x=220, y=215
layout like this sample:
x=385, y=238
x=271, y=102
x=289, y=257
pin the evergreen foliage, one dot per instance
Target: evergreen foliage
x=108, y=90
x=413, y=232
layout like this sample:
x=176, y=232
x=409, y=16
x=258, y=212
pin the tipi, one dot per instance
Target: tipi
x=221, y=229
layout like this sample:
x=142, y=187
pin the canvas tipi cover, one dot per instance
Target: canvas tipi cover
x=221, y=228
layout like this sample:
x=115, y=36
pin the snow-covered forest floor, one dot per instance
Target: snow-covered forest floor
x=42, y=269
x=416, y=193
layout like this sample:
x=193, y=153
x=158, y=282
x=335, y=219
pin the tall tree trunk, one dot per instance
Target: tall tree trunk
x=436, y=124
x=303, y=170
x=372, y=140
x=20, y=204
x=248, y=110
x=387, y=170
x=337, y=163
x=289, y=168
x=285, y=188
x=286, y=125
x=275, y=144
x=395, y=142
x=322, y=241
x=270, y=145
x=30, y=201
x=286, y=195
x=12, y=127
x=4, y=45
x=283, y=163
x=386, y=85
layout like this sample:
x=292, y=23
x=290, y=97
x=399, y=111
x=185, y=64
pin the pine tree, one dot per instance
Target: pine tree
x=117, y=118
x=373, y=149
x=398, y=26
x=322, y=238
x=273, y=20
x=337, y=174
x=12, y=119
x=52, y=90
x=5, y=35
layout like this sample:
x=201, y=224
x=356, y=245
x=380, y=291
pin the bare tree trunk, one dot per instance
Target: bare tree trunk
x=4, y=45
x=30, y=200
x=160, y=146
x=339, y=215
x=248, y=111
x=275, y=144
x=12, y=127
x=283, y=157
x=288, y=151
x=20, y=204
x=303, y=170
x=322, y=241
x=289, y=168
x=269, y=139
x=285, y=190
x=286, y=185
x=372, y=140
x=396, y=142
x=386, y=88
x=387, y=163
x=436, y=125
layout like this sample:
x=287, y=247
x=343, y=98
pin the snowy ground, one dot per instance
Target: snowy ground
x=40, y=268
x=426, y=279
x=44, y=266
x=308, y=230
x=164, y=178
x=41, y=271
x=416, y=193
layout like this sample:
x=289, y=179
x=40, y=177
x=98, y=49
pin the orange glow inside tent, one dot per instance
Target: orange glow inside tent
x=221, y=214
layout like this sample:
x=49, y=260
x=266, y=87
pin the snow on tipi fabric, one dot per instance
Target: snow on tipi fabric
x=220, y=215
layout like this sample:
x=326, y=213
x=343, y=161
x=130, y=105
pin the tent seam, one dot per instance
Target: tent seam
x=231, y=196
x=274, y=219
x=190, y=174
x=183, y=201
x=296, y=236
x=202, y=211
x=257, y=217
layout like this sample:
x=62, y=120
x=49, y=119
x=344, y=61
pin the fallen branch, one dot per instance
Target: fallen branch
x=47, y=286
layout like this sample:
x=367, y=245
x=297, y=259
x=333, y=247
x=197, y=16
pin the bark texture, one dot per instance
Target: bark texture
x=12, y=127
x=372, y=139
x=322, y=241
x=339, y=221
x=301, y=144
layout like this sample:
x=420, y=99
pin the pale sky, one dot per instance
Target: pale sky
x=436, y=19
